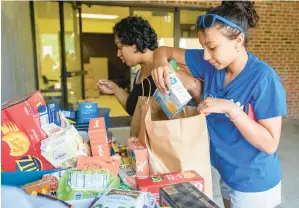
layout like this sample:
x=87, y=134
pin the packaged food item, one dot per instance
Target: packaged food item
x=127, y=176
x=21, y=135
x=184, y=195
x=54, y=179
x=154, y=183
x=98, y=138
x=177, y=97
x=96, y=163
x=139, y=157
x=51, y=114
x=86, y=111
x=115, y=198
x=63, y=148
x=40, y=186
x=125, y=161
x=84, y=184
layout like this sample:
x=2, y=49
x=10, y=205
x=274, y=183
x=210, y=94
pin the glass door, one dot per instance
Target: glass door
x=73, y=73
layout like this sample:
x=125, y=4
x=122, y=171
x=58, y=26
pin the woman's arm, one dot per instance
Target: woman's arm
x=263, y=134
x=162, y=68
x=109, y=87
x=121, y=96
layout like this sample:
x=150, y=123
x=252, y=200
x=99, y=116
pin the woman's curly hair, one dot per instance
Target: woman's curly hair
x=134, y=30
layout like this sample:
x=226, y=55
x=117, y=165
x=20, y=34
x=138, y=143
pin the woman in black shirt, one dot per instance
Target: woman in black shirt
x=136, y=41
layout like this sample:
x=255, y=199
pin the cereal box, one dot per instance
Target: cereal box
x=176, y=98
x=98, y=138
x=184, y=195
x=139, y=158
x=154, y=183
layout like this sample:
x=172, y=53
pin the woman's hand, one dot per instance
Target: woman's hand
x=107, y=86
x=160, y=75
x=215, y=105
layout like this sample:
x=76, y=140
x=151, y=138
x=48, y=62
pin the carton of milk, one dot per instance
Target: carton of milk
x=176, y=98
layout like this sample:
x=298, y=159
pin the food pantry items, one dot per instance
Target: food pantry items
x=115, y=198
x=154, y=183
x=139, y=157
x=86, y=111
x=96, y=163
x=184, y=195
x=176, y=98
x=98, y=138
x=77, y=185
x=62, y=148
x=21, y=135
x=127, y=176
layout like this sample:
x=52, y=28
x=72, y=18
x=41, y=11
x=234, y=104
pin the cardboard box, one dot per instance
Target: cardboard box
x=139, y=157
x=21, y=135
x=184, y=195
x=154, y=183
x=98, y=138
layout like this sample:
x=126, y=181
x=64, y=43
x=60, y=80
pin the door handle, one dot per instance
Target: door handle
x=76, y=73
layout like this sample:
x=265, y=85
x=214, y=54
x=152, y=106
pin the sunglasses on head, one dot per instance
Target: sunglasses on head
x=208, y=20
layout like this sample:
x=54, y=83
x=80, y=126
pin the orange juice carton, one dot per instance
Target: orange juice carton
x=154, y=183
x=21, y=135
x=176, y=98
x=139, y=157
x=127, y=176
x=96, y=163
x=63, y=148
x=98, y=138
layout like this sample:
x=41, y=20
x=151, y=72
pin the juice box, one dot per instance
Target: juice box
x=154, y=183
x=176, y=98
x=184, y=195
x=139, y=157
x=98, y=138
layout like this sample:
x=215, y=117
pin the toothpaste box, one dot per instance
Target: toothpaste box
x=139, y=157
x=98, y=138
x=184, y=195
x=154, y=183
x=176, y=98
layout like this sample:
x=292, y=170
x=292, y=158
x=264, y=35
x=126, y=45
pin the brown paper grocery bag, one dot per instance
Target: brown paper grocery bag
x=173, y=145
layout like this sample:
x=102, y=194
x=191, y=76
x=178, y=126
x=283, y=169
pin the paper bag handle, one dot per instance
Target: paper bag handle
x=150, y=89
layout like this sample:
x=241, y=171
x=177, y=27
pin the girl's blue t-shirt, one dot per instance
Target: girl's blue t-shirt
x=241, y=165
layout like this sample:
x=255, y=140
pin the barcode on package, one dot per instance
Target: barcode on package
x=170, y=190
x=78, y=196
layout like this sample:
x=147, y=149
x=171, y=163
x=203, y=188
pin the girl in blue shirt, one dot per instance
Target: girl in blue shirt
x=244, y=101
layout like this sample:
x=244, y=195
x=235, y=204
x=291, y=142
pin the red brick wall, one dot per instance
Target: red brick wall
x=275, y=40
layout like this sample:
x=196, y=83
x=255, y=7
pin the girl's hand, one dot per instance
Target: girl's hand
x=160, y=75
x=215, y=105
x=107, y=86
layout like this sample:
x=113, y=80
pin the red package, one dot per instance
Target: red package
x=21, y=135
x=154, y=183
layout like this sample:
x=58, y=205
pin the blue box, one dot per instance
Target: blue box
x=87, y=109
x=22, y=178
x=82, y=125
